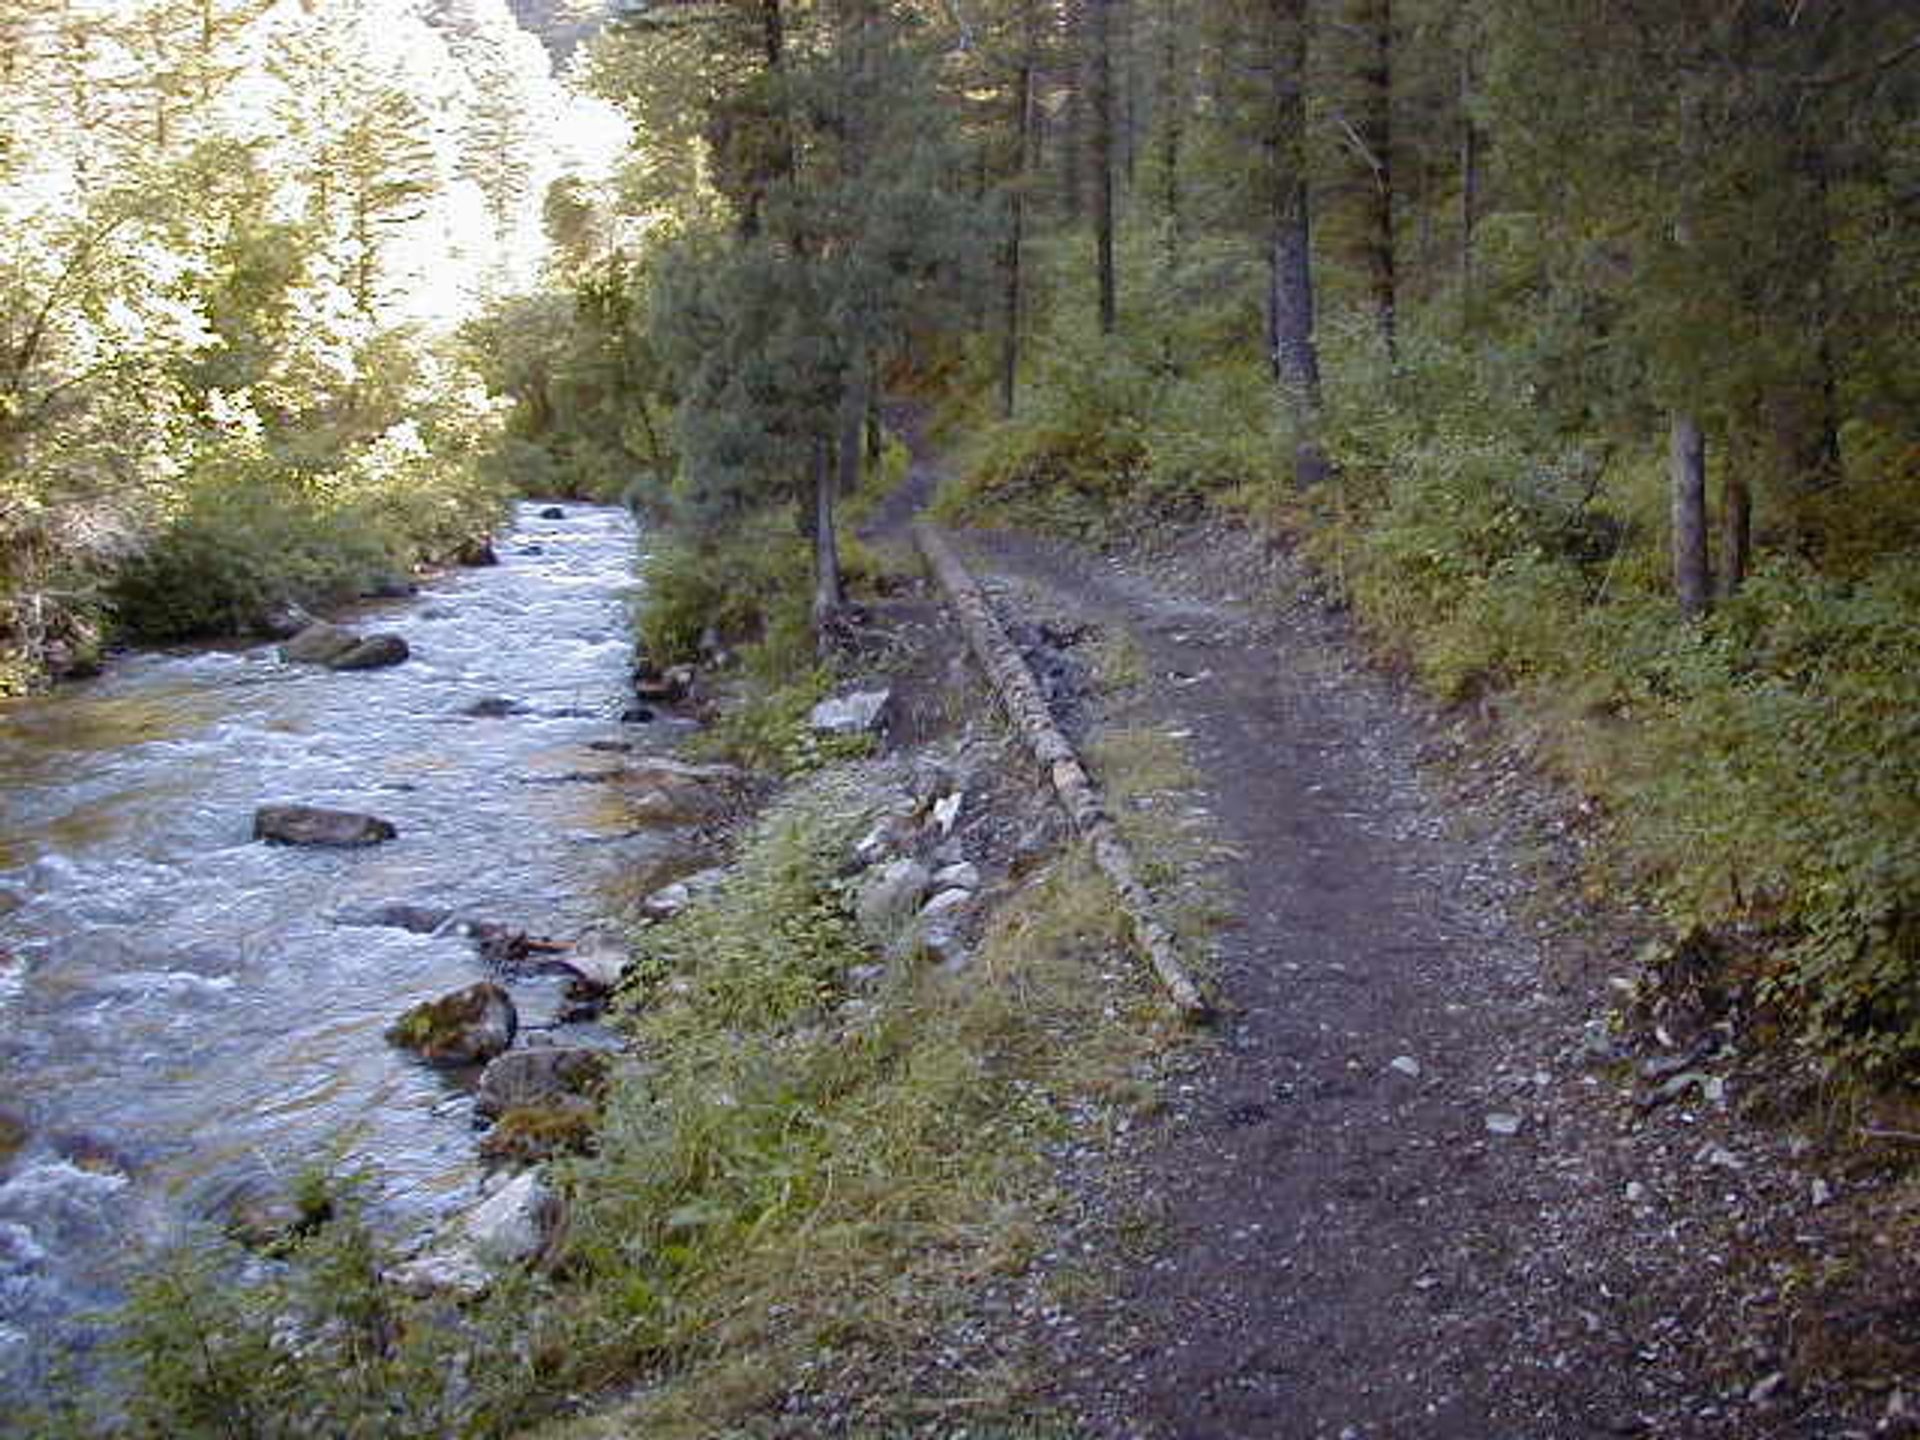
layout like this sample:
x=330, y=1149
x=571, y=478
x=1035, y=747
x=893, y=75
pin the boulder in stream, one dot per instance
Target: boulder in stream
x=596, y=963
x=316, y=825
x=319, y=644
x=476, y=552
x=396, y=915
x=13, y=1137
x=671, y=792
x=372, y=652
x=494, y=707
x=513, y=1226
x=339, y=648
x=540, y=1076
x=663, y=687
x=543, y=1101
x=553, y=512
x=283, y=621
x=466, y=1027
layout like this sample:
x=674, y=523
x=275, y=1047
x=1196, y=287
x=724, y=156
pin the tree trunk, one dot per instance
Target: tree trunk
x=828, y=599
x=849, y=451
x=1102, y=41
x=1469, y=184
x=1375, y=129
x=1736, y=527
x=1170, y=119
x=1294, y=352
x=1687, y=476
x=1012, y=299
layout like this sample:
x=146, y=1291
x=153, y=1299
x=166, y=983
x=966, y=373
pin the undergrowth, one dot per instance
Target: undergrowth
x=1759, y=772
x=797, y=1190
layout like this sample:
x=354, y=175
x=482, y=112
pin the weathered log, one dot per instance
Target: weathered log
x=1025, y=705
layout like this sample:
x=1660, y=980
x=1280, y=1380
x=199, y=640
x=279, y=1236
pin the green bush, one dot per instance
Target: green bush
x=253, y=531
x=249, y=536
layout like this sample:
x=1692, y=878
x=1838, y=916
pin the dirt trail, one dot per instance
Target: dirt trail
x=1353, y=1243
x=1400, y=1192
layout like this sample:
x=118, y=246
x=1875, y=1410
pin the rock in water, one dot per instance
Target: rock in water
x=476, y=552
x=494, y=707
x=513, y=1225
x=314, y=825
x=467, y=1027
x=319, y=644
x=283, y=621
x=859, y=714
x=664, y=687
x=596, y=963
x=510, y=1227
x=546, y=1076
x=669, y=792
x=553, y=512
x=375, y=652
x=397, y=915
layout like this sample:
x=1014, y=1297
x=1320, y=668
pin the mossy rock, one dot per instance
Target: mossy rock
x=527, y=1133
x=13, y=1137
x=467, y=1027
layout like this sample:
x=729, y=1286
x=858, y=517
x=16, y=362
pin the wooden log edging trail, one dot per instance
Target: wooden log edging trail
x=1021, y=698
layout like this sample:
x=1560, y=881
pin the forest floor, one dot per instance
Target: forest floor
x=1413, y=1183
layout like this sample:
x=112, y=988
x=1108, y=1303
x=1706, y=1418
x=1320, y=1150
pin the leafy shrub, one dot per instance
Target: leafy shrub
x=249, y=535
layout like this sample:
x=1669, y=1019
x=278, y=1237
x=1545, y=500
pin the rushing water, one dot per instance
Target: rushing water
x=184, y=1013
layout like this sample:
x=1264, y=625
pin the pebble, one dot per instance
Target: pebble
x=1499, y=1123
x=1406, y=1065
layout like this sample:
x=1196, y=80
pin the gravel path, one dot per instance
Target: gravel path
x=1407, y=1190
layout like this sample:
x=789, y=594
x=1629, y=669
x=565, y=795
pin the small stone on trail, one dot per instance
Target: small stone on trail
x=889, y=899
x=946, y=812
x=1503, y=1124
x=1822, y=1192
x=960, y=876
x=945, y=903
x=857, y=714
x=1406, y=1065
x=1767, y=1388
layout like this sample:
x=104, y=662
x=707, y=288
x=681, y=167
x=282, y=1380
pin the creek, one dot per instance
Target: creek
x=189, y=1018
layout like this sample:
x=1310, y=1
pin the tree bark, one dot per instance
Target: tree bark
x=1375, y=129
x=1102, y=57
x=1012, y=300
x=828, y=598
x=1170, y=119
x=1469, y=183
x=1292, y=347
x=1736, y=528
x=1687, y=478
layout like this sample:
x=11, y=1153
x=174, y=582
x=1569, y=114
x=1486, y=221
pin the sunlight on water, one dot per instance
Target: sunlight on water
x=184, y=1019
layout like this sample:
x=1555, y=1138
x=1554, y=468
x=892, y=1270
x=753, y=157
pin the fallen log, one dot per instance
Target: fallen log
x=1021, y=698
